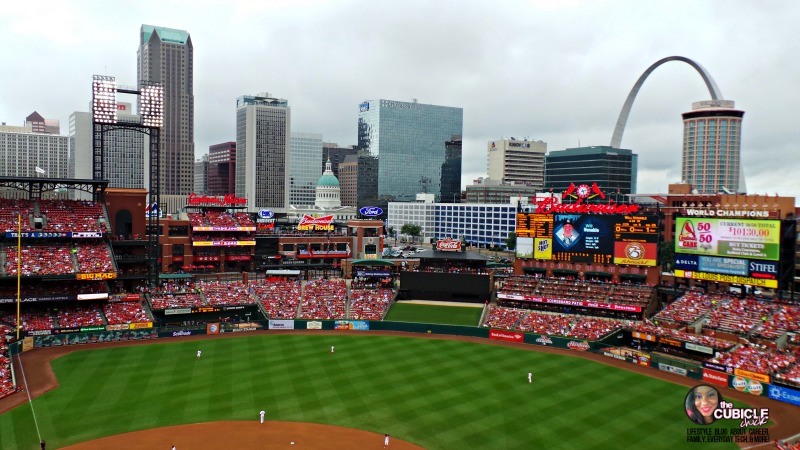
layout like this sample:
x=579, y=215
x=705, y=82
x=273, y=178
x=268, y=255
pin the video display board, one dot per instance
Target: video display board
x=729, y=250
x=734, y=238
x=590, y=238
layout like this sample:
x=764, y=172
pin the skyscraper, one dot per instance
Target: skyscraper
x=263, y=128
x=306, y=151
x=515, y=160
x=613, y=169
x=166, y=56
x=124, y=150
x=28, y=154
x=222, y=169
x=410, y=140
x=712, y=137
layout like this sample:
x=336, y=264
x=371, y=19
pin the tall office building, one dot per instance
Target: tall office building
x=712, y=136
x=613, y=169
x=222, y=169
x=358, y=178
x=27, y=154
x=124, y=161
x=336, y=155
x=166, y=56
x=306, y=151
x=41, y=125
x=263, y=128
x=513, y=160
x=410, y=141
x=451, y=171
x=201, y=167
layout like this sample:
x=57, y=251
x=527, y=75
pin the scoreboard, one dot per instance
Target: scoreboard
x=589, y=238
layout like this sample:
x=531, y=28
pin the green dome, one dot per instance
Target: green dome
x=328, y=181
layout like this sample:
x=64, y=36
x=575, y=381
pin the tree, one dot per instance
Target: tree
x=666, y=255
x=411, y=230
x=511, y=241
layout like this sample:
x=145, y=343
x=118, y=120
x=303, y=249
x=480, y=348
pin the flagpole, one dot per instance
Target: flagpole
x=19, y=264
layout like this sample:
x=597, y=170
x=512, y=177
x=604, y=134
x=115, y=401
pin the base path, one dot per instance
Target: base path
x=279, y=435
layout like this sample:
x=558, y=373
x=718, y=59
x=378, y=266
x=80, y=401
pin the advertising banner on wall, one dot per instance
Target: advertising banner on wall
x=504, y=335
x=281, y=324
x=784, y=394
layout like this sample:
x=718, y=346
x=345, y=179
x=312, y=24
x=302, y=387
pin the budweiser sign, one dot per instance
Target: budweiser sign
x=580, y=346
x=448, y=245
x=308, y=223
x=195, y=199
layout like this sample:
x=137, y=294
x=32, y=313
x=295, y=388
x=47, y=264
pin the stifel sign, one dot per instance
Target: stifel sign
x=448, y=245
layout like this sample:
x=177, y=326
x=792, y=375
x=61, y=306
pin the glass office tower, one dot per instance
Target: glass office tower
x=410, y=140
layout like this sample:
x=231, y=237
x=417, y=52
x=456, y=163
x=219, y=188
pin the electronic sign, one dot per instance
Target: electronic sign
x=728, y=250
x=733, y=238
x=592, y=238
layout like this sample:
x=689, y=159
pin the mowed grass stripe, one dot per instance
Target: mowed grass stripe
x=448, y=315
x=439, y=394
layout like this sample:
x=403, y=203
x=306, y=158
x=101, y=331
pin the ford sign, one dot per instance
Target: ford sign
x=266, y=214
x=370, y=211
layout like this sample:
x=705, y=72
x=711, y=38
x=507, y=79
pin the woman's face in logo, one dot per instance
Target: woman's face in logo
x=706, y=400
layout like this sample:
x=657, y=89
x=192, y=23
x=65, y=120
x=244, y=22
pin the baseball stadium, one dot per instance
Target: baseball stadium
x=137, y=331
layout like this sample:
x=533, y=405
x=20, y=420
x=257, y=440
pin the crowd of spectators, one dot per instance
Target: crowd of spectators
x=569, y=288
x=40, y=260
x=82, y=315
x=35, y=318
x=324, y=299
x=504, y=318
x=225, y=293
x=72, y=215
x=738, y=315
x=594, y=328
x=687, y=309
x=279, y=296
x=369, y=304
x=552, y=324
x=94, y=258
x=126, y=312
x=708, y=341
x=15, y=214
x=452, y=267
x=786, y=318
x=184, y=300
x=790, y=376
x=756, y=359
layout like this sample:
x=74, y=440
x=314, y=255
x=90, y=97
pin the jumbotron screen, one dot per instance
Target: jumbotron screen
x=588, y=238
x=731, y=250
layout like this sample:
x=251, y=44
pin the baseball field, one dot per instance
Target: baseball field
x=433, y=393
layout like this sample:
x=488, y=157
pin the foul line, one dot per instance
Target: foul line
x=30, y=401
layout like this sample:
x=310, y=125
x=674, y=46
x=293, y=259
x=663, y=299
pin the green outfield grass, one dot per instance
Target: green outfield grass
x=439, y=394
x=448, y=315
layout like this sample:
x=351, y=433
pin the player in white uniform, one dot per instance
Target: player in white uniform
x=199, y=354
x=530, y=377
x=262, y=413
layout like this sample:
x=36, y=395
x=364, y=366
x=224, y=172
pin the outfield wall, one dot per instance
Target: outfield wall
x=741, y=380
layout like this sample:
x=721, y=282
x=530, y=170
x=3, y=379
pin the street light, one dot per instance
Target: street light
x=496, y=245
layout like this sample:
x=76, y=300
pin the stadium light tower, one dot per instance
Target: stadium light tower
x=104, y=119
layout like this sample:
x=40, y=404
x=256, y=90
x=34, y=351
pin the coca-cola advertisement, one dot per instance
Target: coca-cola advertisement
x=448, y=245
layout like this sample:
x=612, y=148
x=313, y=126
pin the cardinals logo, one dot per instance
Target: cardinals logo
x=584, y=192
x=688, y=237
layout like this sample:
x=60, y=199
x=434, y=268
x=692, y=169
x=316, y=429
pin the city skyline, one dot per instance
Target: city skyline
x=561, y=76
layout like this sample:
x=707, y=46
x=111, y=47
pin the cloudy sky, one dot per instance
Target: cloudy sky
x=556, y=71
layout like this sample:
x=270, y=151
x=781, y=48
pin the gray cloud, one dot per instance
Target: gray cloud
x=552, y=71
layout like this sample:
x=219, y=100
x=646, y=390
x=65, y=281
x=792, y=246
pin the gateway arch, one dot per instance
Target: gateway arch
x=619, y=129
